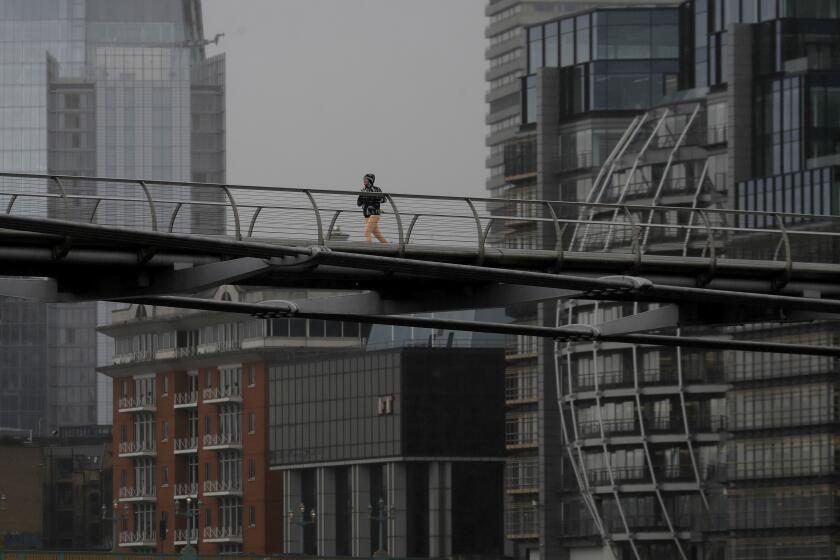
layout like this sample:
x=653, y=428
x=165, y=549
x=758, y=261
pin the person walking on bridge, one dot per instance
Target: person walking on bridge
x=370, y=199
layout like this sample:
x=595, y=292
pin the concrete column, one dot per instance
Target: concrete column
x=548, y=146
x=326, y=511
x=395, y=482
x=292, y=496
x=739, y=116
x=360, y=499
x=440, y=509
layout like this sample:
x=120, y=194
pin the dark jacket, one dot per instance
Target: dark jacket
x=370, y=199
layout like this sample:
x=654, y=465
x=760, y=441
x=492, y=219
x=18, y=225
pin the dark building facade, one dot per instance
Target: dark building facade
x=653, y=452
x=410, y=426
x=54, y=488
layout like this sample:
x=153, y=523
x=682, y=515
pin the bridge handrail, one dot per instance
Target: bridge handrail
x=476, y=222
x=682, y=227
x=302, y=191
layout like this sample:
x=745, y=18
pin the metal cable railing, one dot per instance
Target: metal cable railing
x=415, y=221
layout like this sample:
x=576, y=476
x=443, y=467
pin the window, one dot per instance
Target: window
x=252, y=423
x=164, y=476
x=208, y=475
x=165, y=387
x=123, y=433
x=207, y=425
x=124, y=389
x=71, y=101
x=252, y=516
x=208, y=377
x=252, y=469
x=164, y=428
x=208, y=518
x=252, y=376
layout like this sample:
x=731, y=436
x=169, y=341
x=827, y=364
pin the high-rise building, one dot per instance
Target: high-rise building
x=672, y=453
x=110, y=88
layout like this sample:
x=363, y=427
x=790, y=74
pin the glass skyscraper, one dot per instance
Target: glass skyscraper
x=112, y=88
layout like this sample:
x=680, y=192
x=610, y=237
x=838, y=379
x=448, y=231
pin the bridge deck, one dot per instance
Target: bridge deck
x=170, y=221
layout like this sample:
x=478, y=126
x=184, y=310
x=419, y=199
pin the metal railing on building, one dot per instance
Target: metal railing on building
x=222, y=487
x=219, y=440
x=128, y=447
x=189, y=443
x=127, y=492
x=186, y=398
x=222, y=533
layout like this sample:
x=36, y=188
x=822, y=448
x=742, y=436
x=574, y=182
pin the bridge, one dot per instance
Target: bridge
x=71, y=238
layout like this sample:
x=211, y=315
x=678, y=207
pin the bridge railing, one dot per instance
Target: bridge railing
x=419, y=222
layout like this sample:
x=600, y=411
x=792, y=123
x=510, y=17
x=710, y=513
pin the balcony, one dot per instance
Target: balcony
x=138, y=494
x=222, y=394
x=521, y=522
x=134, y=357
x=601, y=477
x=221, y=346
x=619, y=426
x=137, y=449
x=184, y=490
x=137, y=404
x=573, y=161
x=521, y=160
x=222, y=441
x=185, y=445
x=187, y=399
x=222, y=488
x=186, y=351
x=222, y=535
x=184, y=537
x=138, y=538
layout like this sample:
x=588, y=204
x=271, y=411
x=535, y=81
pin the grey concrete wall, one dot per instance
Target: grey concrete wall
x=740, y=105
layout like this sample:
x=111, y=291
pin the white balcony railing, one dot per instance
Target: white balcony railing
x=186, y=351
x=137, y=493
x=218, y=394
x=143, y=403
x=184, y=536
x=222, y=487
x=229, y=345
x=184, y=489
x=137, y=448
x=186, y=444
x=187, y=398
x=138, y=538
x=134, y=357
x=222, y=441
x=223, y=534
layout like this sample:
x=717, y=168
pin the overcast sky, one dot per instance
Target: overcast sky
x=322, y=91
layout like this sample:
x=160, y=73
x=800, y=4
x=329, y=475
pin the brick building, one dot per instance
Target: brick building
x=190, y=405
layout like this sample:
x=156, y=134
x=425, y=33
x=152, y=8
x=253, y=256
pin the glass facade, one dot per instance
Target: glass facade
x=678, y=453
x=386, y=404
x=806, y=192
x=609, y=60
x=106, y=88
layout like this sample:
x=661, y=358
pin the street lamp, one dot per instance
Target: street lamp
x=3, y=500
x=382, y=515
x=303, y=523
x=113, y=519
x=191, y=514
